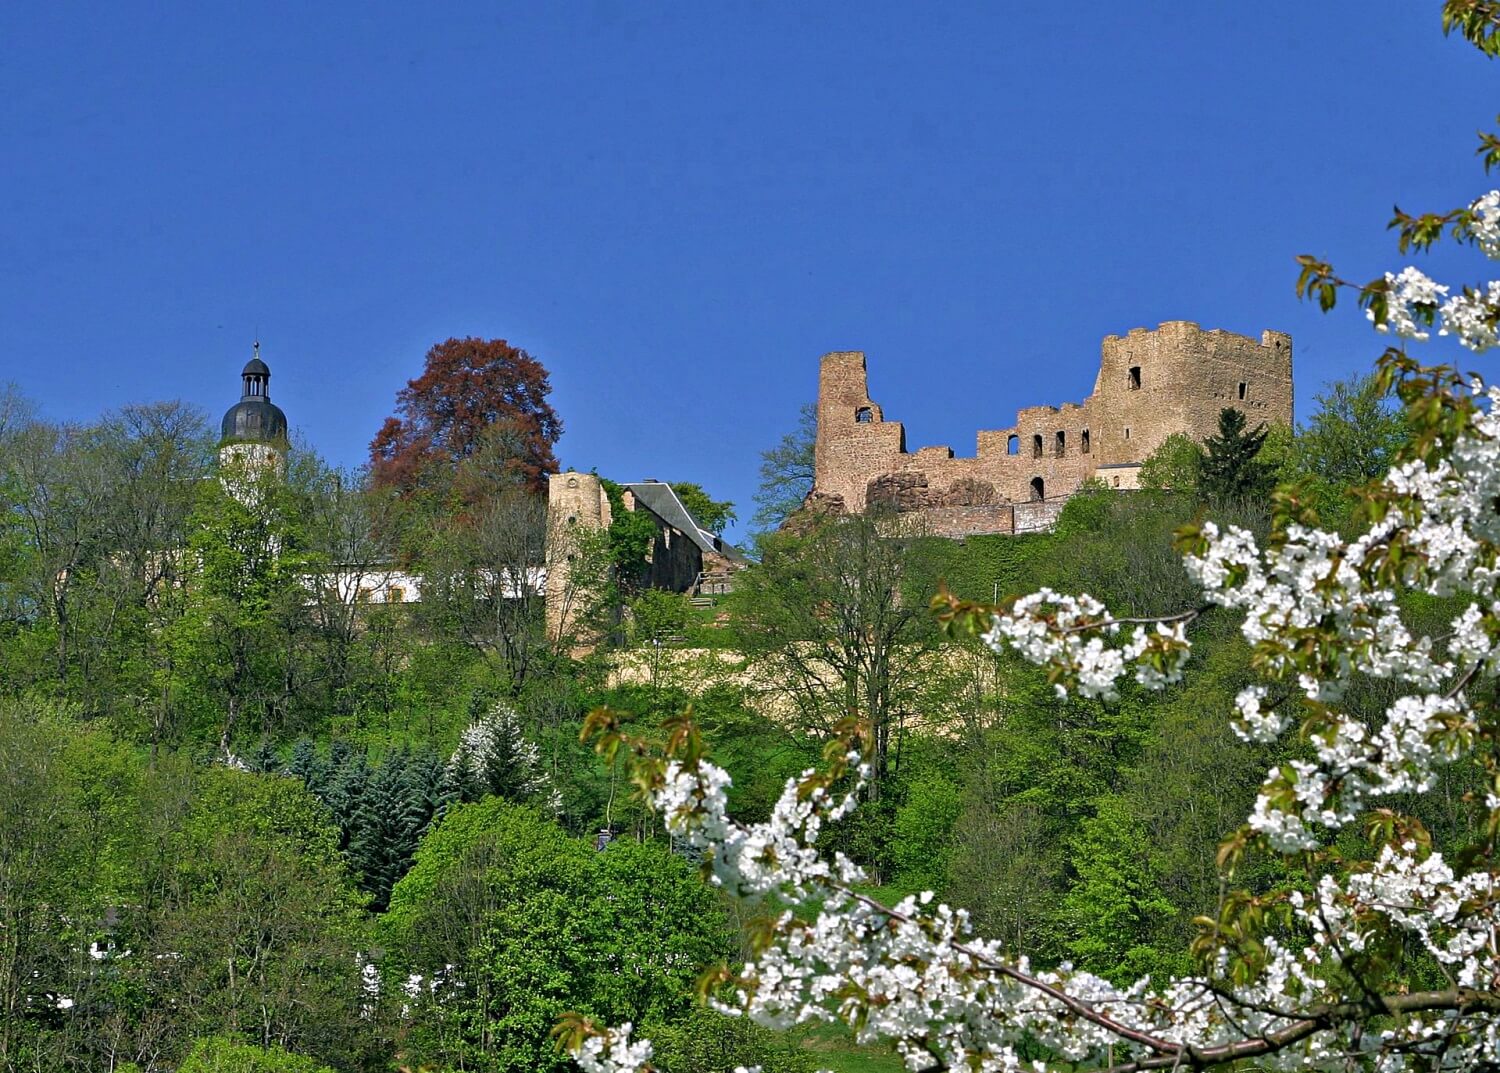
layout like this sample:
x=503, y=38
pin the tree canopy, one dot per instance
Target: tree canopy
x=477, y=401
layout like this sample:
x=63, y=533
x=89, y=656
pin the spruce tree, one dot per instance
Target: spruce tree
x=427, y=785
x=1230, y=468
x=347, y=783
x=308, y=766
x=383, y=830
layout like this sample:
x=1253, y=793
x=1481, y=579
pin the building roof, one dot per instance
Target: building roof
x=255, y=417
x=257, y=420
x=663, y=502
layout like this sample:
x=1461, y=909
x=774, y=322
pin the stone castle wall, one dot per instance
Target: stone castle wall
x=576, y=503
x=1150, y=385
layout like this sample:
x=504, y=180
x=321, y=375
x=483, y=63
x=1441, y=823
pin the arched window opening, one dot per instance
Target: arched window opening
x=864, y=415
x=1061, y=447
x=1038, y=490
x=1036, y=446
x=1083, y=442
x=1012, y=445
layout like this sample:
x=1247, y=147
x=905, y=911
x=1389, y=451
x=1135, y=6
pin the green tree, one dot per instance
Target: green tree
x=1354, y=434
x=923, y=833
x=1231, y=470
x=1175, y=466
x=1116, y=916
x=704, y=1041
x=715, y=515
x=823, y=615
x=786, y=471
x=510, y=922
x=238, y=648
x=260, y=927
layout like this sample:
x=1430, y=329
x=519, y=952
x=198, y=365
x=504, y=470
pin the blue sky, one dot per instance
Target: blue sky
x=679, y=208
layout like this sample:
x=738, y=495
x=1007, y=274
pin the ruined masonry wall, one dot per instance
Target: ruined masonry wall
x=1151, y=384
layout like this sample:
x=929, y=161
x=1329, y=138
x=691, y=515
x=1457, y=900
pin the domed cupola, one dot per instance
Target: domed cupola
x=255, y=418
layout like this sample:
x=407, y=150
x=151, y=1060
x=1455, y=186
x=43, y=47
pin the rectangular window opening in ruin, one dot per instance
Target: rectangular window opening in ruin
x=1083, y=444
x=1062, y=443
x=1127, y=433
x=1242, y=391
x=1036, y=446
x=864, y=415
x=1135, y=378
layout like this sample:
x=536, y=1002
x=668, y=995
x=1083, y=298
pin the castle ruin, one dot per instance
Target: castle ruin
x=1150, y=385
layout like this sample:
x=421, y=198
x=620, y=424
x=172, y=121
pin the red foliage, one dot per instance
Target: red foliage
x=473, y=396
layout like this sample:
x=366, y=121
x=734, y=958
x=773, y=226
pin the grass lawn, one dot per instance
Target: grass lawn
x=835, y=1051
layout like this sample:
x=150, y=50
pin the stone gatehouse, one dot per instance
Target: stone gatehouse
x=1150, y=385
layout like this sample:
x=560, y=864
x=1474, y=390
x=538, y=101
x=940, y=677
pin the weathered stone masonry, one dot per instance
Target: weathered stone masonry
x=1150, y=385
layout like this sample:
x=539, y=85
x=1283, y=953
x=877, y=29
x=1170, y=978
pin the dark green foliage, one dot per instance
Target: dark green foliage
x=265, y=758
x=308, y=766
x=1230, y=470
x=380, y=810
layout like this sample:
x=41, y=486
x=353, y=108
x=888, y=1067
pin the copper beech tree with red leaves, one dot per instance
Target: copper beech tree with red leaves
x=478, y=401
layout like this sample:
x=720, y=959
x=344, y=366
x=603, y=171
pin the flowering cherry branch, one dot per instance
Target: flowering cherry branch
x=1302, y=978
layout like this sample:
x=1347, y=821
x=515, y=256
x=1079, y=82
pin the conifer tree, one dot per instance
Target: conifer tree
x=347, y=783
x=384, y=830
x=1230, y=468
x=308, y=766
x=427, y=785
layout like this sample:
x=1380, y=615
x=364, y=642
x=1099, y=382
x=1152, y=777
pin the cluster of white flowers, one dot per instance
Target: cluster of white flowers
x=1484, y=224
x=1414, y=300
x=1072, y=633
x=613, y=1051
x=1411, y=301
x=1318, y=611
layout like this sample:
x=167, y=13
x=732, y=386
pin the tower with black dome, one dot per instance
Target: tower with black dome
x=254, y=431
